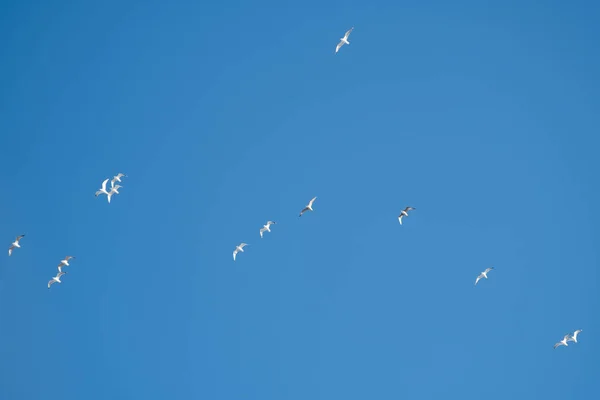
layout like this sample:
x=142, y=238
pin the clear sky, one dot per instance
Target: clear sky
x=481, y=115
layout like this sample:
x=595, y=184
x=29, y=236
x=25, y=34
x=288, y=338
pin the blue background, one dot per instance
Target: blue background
x=482, y=115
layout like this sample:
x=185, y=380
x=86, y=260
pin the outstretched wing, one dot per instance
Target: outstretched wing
x=348, y=33
x=50, y=282
x=340, y=44
x=477, y=280
x=104, y=184
x=303, y=211
x=488, y=269
x=310, y=203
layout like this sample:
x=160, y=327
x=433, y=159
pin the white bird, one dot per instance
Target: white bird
x=573, y=337
x=563, y=342
x=343, y=40
x=117, y=178
x=115, y=189
x=266, y=228
x=404, y=213
x=103, y=188
x=64, y=263
x=56, y=278
x=14, y=244
x=308, y=207
x=483, y=274
x=238, y=249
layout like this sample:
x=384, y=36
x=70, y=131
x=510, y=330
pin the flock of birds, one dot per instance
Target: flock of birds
x=114, y=189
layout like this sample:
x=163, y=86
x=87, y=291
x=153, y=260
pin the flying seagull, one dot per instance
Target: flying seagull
x=266, y=228
x=14, y=244
x=573, y=338
x=56, y=279
x=64, y=263
x=238, y=249
x=344, y=40
x=404, y=213
x=115, y=189
x=308, y=207
x=483, y=274
x=563, y=342
x=117, y=178
x=103, y=188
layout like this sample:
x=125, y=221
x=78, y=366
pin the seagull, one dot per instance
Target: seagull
x=64, y=263
x=117, y=178
x=563, y=342
x=404, y=213
x=113, y=191
x=483, y=274
x=344, y=40
x=56, y=278
x=14, y=244
x=573, y=338
x=103, y=188
x=308, y=207
x=238, y=249
x=266, y=228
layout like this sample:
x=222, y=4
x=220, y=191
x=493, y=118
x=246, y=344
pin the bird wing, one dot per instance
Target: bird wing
x=68, y=257
x=558, y=344
x=478, y=278
x=50, y=282
x=488, y=270
x=234, y=253
x=304, y=210
x=19, y=237
x=271, y=223
x=577, y=332
x=10, y=249
x=261, y=231
x=348, y=33
x=60, y=268
x=408, y=209
x=242, y=245
x=104, y=184
x=60, y=273
x=310, y=203
x=340, y=44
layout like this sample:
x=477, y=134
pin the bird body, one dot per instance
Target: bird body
x=308, y=207
x=56, y=279
x=64, y=263
x=343, y=40
x=404, y=213
x=15, y=244
x=238, y=249
x=266, y=227
x=483, y=275
x=563, y=342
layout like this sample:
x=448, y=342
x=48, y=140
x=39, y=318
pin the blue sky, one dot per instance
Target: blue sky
x=482, y=115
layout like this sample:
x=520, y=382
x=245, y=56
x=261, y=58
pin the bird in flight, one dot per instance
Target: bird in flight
x=103, y=188
x=308, y=207
x=344, y=40
x=483, y=275
x=56, y=279
x=64, y=263
x=563, y=342
x=15, y=244
x=238, y=249
x=404, y=213
x=573, y=337
x=266, y=228
x=117, y=178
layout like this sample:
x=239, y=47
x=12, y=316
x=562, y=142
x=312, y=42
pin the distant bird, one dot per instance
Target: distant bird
x=64, y=263
x=15, y=244
x=117, y=178
x=573, y=337
x=56, y=278
x=238, y=249
x=103, y=189
x=563, y=342
x=115, y=189
x=404, y=213
x=308, y=207
x=483, y=275
x=266, y=228
x=344, y=40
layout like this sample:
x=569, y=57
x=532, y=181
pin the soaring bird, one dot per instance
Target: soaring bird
x=238, y=249
x=14, y=244
x=344, y=40
x=64, y=263
x=56, y=278
x=483, y=274
x=573, y=337
x=404, y=213
x=103, y=188
x=308, y=207
x=266, y=228
x=563, y=342
x=117, y=178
